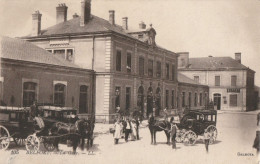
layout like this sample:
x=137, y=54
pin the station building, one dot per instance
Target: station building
x=131, y=71
x=231, y=84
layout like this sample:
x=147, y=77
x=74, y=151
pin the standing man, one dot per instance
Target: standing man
x=206, y=140
x=173, y=132
x=128, y=128
x=258, y=118
x=33, y=110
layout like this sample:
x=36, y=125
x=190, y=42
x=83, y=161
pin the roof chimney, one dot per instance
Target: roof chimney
x=61, y=13
x=112, y=17
x=183, y=59
x=36, y=23
x=75, y=15
x=85, y=12
x=142, y=25
x=125, y=23
x=238, y=57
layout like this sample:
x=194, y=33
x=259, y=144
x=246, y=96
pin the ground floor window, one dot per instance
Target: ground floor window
x=167, y=99
x=117, y=102
x=189, y=99
x=173, y=98
x=83, y=99
x=183, y=99
x=1, y=92
x=59, y=95
x=200, y=99
x=195, y=99
x=127, y=98
x=29, y=93
x=233, y=100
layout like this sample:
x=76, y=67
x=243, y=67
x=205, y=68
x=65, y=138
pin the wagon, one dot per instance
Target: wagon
x=195, y=123
x=15, y=125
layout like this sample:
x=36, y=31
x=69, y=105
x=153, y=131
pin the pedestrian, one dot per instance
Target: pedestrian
x=206, y=140
x=118, y=109
x=127, y=128
x=258, y=118
x=117, y=133
x=134, y=128
x=256, y=144
x=137, y=128
x=173, y=133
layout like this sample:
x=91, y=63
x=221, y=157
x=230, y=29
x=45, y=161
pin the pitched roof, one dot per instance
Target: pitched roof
x=214, y=63
x=16, y=49
x=184, y=79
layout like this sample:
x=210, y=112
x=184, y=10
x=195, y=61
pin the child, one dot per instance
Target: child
x=206, y=140
x=117, y=134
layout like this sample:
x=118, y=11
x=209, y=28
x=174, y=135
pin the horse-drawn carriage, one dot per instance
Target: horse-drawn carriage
x=195, y=123
x=16, y=125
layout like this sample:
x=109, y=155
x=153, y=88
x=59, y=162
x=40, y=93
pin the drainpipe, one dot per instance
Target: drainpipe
x=93, y=113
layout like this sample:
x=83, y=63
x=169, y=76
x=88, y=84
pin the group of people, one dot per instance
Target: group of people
x=128, y=126
x=256, y=143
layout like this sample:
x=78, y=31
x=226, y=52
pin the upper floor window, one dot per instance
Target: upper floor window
x=158, y=69
x=217, y=80
x=128, y=62
x=59, y=94
x=29, y=93
x=118, y=60
x=67, y=54
x=197, y=79
x=234, y=81
x=150, y=68
x=167, y=69
x=141, y=66
x=173, y=72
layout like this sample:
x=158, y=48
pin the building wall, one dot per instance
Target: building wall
x=16, y=73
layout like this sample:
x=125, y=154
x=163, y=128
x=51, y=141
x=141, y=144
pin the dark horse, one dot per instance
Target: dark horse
x=157, y=126
x=75, y=133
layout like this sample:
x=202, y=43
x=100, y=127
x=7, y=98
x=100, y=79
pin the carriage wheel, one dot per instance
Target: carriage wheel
x=48, y=145
x=4, y=138
x=19, y=141
x=190, y=138
x=32, y=143
x=213, y=133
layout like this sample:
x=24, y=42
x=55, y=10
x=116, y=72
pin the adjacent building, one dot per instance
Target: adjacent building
x=231, y=84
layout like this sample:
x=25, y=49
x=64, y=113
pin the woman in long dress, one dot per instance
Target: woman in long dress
x=134, y=129
x=118, y=128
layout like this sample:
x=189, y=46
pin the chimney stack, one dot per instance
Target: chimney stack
x=142, y=25
x=61, y=13
x=75, y=15
x=85, y=12
x=183, y=59
x=36, y=23
x=238, y=57
x=112, y=17
x=125, y=23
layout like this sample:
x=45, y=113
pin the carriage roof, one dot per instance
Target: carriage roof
x=56, y=109
x=9, y=109
x=204, y=112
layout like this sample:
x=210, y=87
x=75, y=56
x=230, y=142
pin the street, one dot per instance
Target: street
x=236, y=133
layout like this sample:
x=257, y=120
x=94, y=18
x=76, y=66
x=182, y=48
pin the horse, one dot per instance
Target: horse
x=76, y=133
x=157, y=126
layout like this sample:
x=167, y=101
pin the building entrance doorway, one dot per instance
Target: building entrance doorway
x=217, y=100
x=157, y=101
x=149, y=101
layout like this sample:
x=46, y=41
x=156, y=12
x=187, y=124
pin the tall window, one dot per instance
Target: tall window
x=200, y=99
x=173, y=72
x=233, y=81
x=233, y=100
x=197, y=79
x=118, y=60
x=189, y=99
x=141, y=66
x=117, y=92
x=59, y=95
x=167, y=98
x=217, y=80
x=127, y=98
x=83, y=99
x=183, y=99
x=150, y=68
x=69, y=55
x=128, y=62
x=195, y=99
x=158, y=69
x=29, y=93
x=167, y=69
x=173, y=98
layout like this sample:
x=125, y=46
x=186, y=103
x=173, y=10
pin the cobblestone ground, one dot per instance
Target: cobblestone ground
x=236, y=134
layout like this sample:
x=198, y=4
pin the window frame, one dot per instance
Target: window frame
x=64, y=83
x=233, y=83
x=128, y=62
x=141, y=73
x=219, y=80
x=118, y=61
x=150, y=68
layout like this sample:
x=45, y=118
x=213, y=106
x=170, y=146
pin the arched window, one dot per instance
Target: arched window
x=29, y=93
x=59, y=94
x=83, y=99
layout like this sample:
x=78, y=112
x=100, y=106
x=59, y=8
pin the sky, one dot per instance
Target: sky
x=200, y=27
